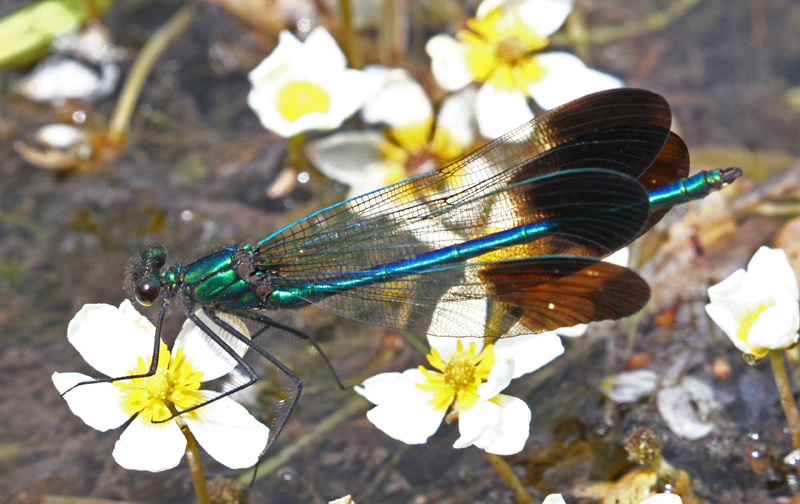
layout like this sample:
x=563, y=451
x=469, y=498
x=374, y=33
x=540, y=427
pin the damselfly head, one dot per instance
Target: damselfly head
x=145, y=274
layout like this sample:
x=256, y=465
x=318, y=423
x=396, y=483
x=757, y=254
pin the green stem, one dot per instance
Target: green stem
x=653, y=22
x=296, y=158
x=196, y=468
x=509, y=478
x=348, y=35
x=787, y=399
x=121, y=118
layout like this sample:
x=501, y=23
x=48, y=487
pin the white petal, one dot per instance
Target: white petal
x=723, y=317
x=775, y=328
x=566, y=79
x=487, y=6
x=58, y=79
x=529, y=352
x=629, y=386
x=60, y=136
x=687, y=407
x=97, y=404
x=772, y=266
x=228, y=432
x=621, y=257
x=663, y=498
x=403, y=411
x=729, y=287
x=205, y=355
x=448, y=62
x=554, y=499
x=543, y=17
x=498, y=111
x=575, y=331
x=409, y=423
x=351, y=90
x=384, y=388
x=111, y=339
x=457, y=117
x=287, y=49
x=323, y=50
x=353, y=158
x=386, y=75
x=475, y=421
x=499, y=378
x=400, y=103
x=145, y=446
x=509, y=435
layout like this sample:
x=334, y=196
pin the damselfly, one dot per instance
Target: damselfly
x=521, y=225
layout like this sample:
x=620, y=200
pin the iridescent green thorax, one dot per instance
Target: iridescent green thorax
x=228, y=278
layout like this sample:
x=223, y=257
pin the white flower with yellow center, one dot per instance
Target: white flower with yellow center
x=501, y=50
x=467, y=382
x=662, y=498
x=306, y=86
x=119, y=342
x=413, y=142
x=758, y=308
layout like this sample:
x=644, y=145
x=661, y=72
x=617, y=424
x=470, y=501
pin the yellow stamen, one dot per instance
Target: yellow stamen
x=500, y=49
x=299, y=98
x=457, y=379
x=173, y=387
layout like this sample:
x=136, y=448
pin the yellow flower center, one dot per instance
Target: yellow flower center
x=411, y=151
x=511, y=51
x=299, y=98
x=500, y=49
x=458, y=378
x=744, y=325
x=173, y=388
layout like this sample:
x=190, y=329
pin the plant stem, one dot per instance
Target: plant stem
x=509, y=478
x=652, y=23
x=196, y=468
x=787, y=399
x=121, y=118
x=295, y=156
x=349, y=35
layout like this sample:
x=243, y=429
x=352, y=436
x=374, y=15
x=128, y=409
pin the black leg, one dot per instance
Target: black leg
x=298, y=383
x=267, y=322
x=153, y=363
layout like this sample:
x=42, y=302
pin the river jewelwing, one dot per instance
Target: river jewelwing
x=521, y=224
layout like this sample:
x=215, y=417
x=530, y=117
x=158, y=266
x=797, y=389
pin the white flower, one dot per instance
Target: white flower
x=57, y=146
x=502, y=51
x=119, y=342
x=306, y=86
x=688, y=408
x=83, y=66
x=414, y=141
x=629, y=386
x=662, y=498
x=758, y=308
x=468, y=379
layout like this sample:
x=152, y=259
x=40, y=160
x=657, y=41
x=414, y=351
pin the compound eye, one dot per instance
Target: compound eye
x=146, y=291
x=155, y=255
